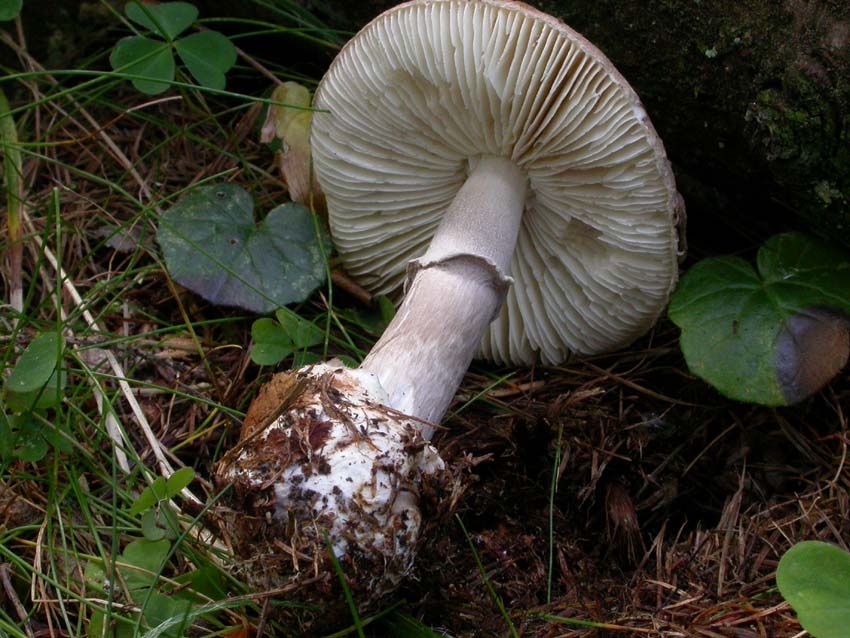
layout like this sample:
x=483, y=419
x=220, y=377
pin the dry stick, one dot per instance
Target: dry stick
x=164, y=466
x=118, y=153
x=12, y=595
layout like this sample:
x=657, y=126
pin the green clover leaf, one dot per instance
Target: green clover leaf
x=208, y=55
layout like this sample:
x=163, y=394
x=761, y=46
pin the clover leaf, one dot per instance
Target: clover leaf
x=814, y=577
x=167, y=20
x=139, y=567
x=35, y=380
x=212, y=246
x=773, y=335
x=9, y=9
x=208, y=55
x=276, y=340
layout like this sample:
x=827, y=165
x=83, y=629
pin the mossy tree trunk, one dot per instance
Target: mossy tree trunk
x=752, y=100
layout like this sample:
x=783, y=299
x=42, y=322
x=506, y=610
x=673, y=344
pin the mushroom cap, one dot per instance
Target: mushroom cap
x=428, y=87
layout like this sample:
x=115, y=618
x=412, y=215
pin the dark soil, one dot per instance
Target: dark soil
x=670, y=513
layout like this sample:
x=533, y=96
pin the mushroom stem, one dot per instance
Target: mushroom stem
x=454, y=291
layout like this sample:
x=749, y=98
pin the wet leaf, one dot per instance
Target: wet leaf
x=739, y=324
x=814, y=577
x=213, y=247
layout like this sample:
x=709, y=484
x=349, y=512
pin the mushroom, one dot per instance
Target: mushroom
x=494, y=162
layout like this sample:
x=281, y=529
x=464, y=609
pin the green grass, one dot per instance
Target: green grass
x=156, y=379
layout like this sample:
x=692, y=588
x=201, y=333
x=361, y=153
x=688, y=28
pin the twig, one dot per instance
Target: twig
x=12, y=595
x=164, y=466
x=117, y=152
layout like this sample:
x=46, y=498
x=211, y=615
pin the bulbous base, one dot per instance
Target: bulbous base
x=323, y=465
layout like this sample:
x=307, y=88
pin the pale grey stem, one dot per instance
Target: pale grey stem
x=455, y=290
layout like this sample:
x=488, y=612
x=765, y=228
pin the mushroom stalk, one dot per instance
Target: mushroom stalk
x=455, y=289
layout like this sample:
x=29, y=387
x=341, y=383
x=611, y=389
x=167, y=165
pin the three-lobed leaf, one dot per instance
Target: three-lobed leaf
x=212, y=246
x=732, y=316
x=168, y=19
x=814, y=577
x=276, y=340
x=208, y=55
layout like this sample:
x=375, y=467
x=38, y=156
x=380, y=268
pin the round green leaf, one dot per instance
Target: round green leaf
x=212, y=246
x=150, y=526
x=149, y=59
x=150, y=496
x=30, y=445
x=9, y=9
x=144, y=559
x=37, y=364
x=814, y=578
x=6, y=434
x=732, y=317
x=271, y=344
x=165, y=615
x=276, y=340
x=168, y=19
x=303, y=333
x=179, y=480
x=208, y=55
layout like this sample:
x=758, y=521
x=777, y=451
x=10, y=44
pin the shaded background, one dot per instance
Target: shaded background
x=752, y=100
